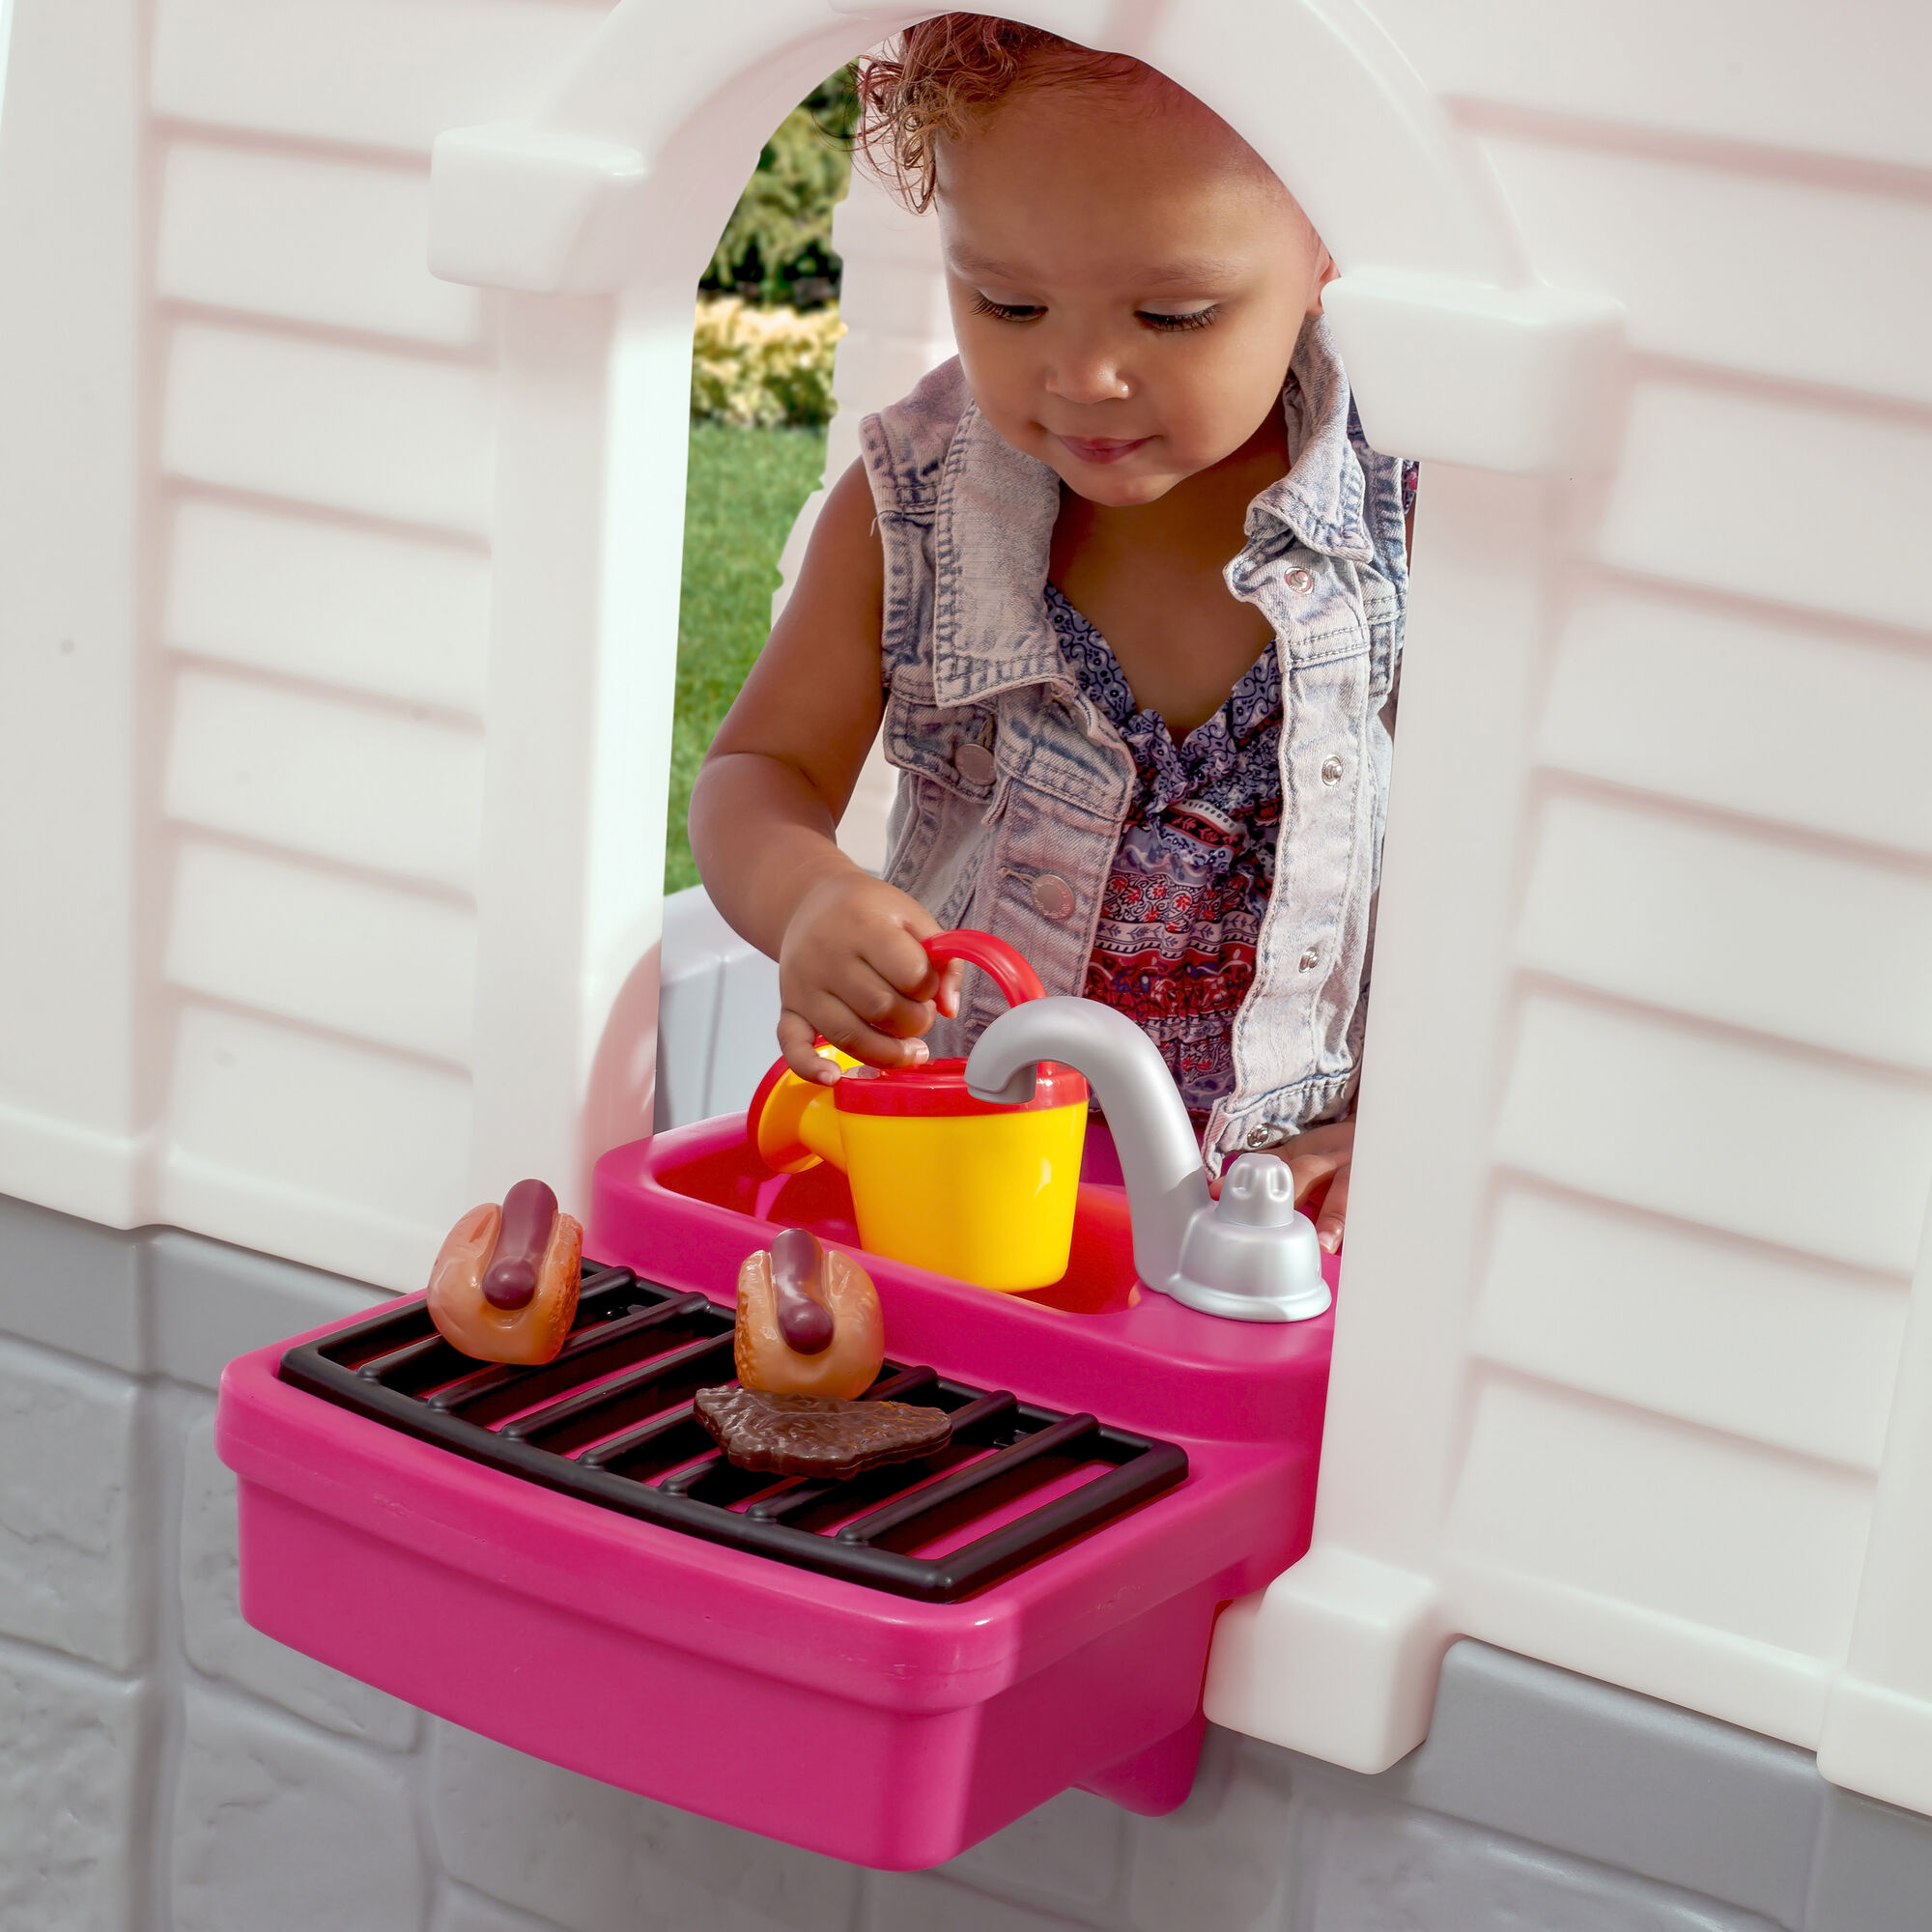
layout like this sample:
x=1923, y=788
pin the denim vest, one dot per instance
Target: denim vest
x=1013, y=790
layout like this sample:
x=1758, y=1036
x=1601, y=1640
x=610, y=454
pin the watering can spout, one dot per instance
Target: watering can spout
x=1250, y=1256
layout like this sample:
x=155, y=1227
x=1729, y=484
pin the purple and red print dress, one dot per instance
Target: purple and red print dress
x=1182, y=909
x=1175, y=947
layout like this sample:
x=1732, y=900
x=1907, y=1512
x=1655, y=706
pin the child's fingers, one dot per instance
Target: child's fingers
x=1334, y=1212
x=1311, y=1168
x=798, y=1042
x=898, y=957
x=831, y=1020
x=869, y=998
x=950, y=982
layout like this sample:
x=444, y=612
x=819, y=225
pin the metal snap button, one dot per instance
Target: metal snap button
x=974, y=764
x=1266, y=1136
x=1331, y=771
x=1052, y=896
x=1298, y=578
x=1310, y=960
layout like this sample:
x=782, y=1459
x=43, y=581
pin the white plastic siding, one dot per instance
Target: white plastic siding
x=328, y=421
x=259, y=709
x=1624, y=1403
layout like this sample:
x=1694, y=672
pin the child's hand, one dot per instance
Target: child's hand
x=851, y=968
x=1319, y=1159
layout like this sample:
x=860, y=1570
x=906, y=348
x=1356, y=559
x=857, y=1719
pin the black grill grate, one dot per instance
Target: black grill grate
x=610, y=1421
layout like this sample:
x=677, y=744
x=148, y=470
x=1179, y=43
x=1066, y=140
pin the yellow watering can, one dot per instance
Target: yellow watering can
x=966, y=1188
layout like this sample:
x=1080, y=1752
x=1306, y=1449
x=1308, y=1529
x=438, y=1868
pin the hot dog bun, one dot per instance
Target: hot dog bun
x=527, y=1335
x=847, y=1367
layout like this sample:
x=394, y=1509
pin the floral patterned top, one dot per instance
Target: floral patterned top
x=1181, y=913
x=1175, y=947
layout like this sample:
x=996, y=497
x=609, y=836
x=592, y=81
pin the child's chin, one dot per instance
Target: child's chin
x=1119, y=489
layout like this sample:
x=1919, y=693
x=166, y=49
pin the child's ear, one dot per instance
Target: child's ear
x=1325, y=272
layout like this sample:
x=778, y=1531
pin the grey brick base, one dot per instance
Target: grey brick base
x=163, y=1767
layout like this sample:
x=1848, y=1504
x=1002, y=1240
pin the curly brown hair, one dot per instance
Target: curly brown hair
x=936, y=79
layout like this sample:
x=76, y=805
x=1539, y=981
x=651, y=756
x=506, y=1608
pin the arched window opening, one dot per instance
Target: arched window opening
x=760, y=402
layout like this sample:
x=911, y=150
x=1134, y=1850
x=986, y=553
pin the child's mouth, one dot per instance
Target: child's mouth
x=1103, y=448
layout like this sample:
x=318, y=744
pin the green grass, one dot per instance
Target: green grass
x=744, y=491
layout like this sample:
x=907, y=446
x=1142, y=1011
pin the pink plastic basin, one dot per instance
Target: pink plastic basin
x=830, y=1715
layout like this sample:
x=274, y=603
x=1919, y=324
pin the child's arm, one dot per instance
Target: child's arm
x=766, y=806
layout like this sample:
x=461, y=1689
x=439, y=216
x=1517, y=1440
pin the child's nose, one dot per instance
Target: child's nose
x=1089, y=379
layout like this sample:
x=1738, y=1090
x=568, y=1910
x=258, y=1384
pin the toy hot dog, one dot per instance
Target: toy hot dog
x=504, y=1285
x=809, y=1344
x=808, y=1321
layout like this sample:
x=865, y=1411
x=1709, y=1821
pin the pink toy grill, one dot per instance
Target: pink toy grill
x=885, y=1669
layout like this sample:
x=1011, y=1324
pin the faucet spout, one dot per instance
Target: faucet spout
x=1251, y=1257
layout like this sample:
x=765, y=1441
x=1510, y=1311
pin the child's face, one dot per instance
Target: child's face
x=1127, y=284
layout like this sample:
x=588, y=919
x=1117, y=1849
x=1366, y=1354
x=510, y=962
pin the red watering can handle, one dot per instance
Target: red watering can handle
x=1013, y=977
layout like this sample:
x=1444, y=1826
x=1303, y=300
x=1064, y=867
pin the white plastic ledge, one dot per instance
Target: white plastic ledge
x=1524, y=381
x=1338, y=1658
x=533, y=210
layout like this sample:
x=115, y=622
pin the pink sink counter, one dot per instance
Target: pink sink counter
x=823, y=1712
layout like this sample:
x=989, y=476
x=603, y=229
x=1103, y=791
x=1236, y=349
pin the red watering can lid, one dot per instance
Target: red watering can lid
x=940, y=1088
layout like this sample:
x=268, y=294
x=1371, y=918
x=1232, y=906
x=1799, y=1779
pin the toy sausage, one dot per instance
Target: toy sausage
x=799, y=1291
x=503, y=1288
x=530, y=1209
x=808, y=1321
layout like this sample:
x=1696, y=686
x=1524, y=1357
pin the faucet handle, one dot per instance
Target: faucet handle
x=1259, y=1193
x=1251, y=1257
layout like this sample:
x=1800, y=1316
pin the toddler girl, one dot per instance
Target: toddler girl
x=1124, y=584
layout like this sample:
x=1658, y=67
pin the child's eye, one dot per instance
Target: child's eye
x=1006, y=311
x=1170, y=322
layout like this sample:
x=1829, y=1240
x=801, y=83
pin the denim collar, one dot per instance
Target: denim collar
x=993, y=531
x=992, y=535
x=1320, y=500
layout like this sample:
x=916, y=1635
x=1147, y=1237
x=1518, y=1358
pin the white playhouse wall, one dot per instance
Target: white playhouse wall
x=1647, y=1128
x=340, y=605
x=247, y=497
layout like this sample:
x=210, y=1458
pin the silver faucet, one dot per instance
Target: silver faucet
x=1249, y=1256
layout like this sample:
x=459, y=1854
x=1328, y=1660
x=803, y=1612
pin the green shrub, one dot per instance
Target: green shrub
x=760, y=367
x=776, y=247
